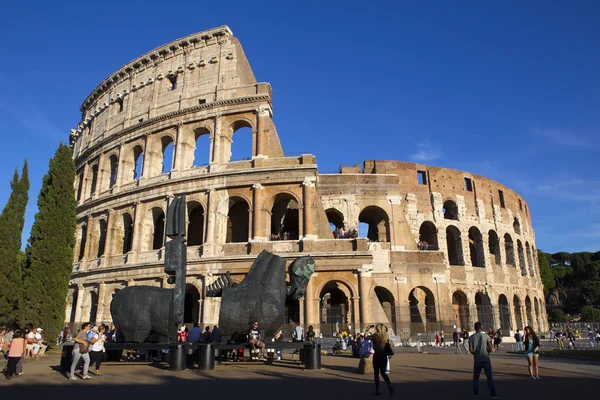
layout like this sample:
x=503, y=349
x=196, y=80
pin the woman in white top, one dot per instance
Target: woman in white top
x=97, y=349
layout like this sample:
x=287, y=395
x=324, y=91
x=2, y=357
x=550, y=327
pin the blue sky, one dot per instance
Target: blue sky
x=506, y=90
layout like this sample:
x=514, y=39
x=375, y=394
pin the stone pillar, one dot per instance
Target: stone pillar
x=101, y=302
x=301, y=305
x=80, y=296
x=217, y=144
x=363, y=288
x=212, y=199
x=308, y=194
x=138, y=228
x=309, y=303
x=355, y=313
x=258, y=226
x=110, y=235
x=262, y=138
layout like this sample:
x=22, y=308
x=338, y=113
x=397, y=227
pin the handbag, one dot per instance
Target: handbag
x=388, y=349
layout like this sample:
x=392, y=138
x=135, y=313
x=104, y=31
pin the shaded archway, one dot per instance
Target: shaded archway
x=494, y=247
x=428, y=234
x=195, y=229
x=509, y=250
x=377, y=219
x=93, y=307
x=102, y=230
x=335, y=219
x=167, y=153
x=454, y=244
x=517, y=226
x=114, y=169
x=422, y=309
x=138, y=162
x=522, y=262
x=191, y=311
x=485, y=313
x=529, y=311
x=537, y=317
x=504, y=311
x=127, y=233
x=460, y=305
x=73, y=302
x=450, y=210
x=158, y=232
x=238, y=221
x=334, y=308
x=82, y=242
x=292, y=311
x=285, y=218
x=94, y=179
x=518, y=314
x=529, y=259
x=202, y=147
x=387, y=303
x=476, y=247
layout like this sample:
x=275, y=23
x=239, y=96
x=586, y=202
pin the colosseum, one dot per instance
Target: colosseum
x=417, y=247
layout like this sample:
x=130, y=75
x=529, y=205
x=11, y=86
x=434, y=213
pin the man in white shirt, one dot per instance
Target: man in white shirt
x=32, y=345
x=40, y=341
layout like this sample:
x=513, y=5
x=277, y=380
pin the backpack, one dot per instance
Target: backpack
x=517, y=337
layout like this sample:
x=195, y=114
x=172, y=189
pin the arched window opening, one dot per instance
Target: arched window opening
x=94, y=179
x=241, y=142
x=509, y=249
x=388, y=305
x=114, y=169
x=334, y=308
x=173, y=81
x=191, y=308
x=536, y=306
x=167, y=153
x=461, y=310
x=79, y=186
x=285, y=218
x=518, y=315
x=292, y=312
x=138, y=162
x=454, y=243
x=517, y=226
x=82, y=242
x=422, y=309
x=119, y=105
x=450, y=210
x=494, y=244
x=202, y=150
x=522, y=262
x=378, y=221
x=73, y=302
x=485, y=313
x=102, y=237
x=195, y=229
x=127, y=233
x=158, y=218
x=504, y=311
x=428, y=239
x=336, y=221
x=529, y=259
x=93, y=307
x=529, y=311
x=476, y=247
x=237, y=221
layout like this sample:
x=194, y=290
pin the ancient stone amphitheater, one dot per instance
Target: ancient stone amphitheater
x=422, y=248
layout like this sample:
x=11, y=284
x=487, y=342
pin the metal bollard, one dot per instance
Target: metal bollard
x=177, y=357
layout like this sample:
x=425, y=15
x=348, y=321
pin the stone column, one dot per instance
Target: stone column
x=356, y=313
x=80, y=296
x=309, y=303
x=262, y=138
x=308, y=194
x=216, y=138
x=101, y=302
x=138, y=228
x=363, y=288
x=108, y=244
x=258, y=226
x=301, y=305
x=211, y=222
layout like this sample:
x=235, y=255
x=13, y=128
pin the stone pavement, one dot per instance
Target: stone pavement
x=437, y=374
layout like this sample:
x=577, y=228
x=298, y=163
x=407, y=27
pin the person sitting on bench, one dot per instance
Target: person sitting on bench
x=255, y=340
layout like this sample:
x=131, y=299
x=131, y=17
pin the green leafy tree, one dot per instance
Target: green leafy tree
x=12, y=220
x=50, y=247
x=557, y=315
x=546, y=273
x=590, y=314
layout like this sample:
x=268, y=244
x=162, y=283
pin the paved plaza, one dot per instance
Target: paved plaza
x=438, y=374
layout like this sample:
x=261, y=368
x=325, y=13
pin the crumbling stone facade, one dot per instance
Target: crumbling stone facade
x=436, y=248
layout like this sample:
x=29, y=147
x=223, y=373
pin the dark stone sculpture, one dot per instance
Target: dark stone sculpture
x=261, y=295
x=138, y=310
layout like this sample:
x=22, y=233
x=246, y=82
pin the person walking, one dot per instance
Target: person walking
x=480, y=345
x=519, y=340
x=591, y=337
x=17, y=350
x=81, y=350
x=456, y=340
x=97, y=350
x=466, y=341
x=380, y=340
x=532, y=345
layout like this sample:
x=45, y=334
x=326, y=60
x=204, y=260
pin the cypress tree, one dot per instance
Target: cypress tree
x=50, y=246
x=12, y=220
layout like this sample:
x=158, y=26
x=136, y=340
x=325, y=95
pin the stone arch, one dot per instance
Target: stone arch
x=529, y=259
x=518, y=314
x=537, y=317
x=450, y=210
x=388, y=305
x=494, y=247
x=422, y=309
x=509, y=250
x=195, y=228
x=242, y=127
x=378, y=221
x=428, y=234
x=113, y=170
x=93, y=306
x=238, y=220
x=158, y=228
x=127, y=244
x=72, y=300
x=82, y=240
x=102, y=232
x=529, y=311
x=485, y=314
x=201, y=147
x=335, y=306
x=517, y=225
x=454, y=244
x=521, y=254
x=191, y=310
x=167, y=143
x=476, y=247
x=285, y=217
x=335, y=219
x=94, y=179
x=504, y=311
x=460, y=304
x=138, y=162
